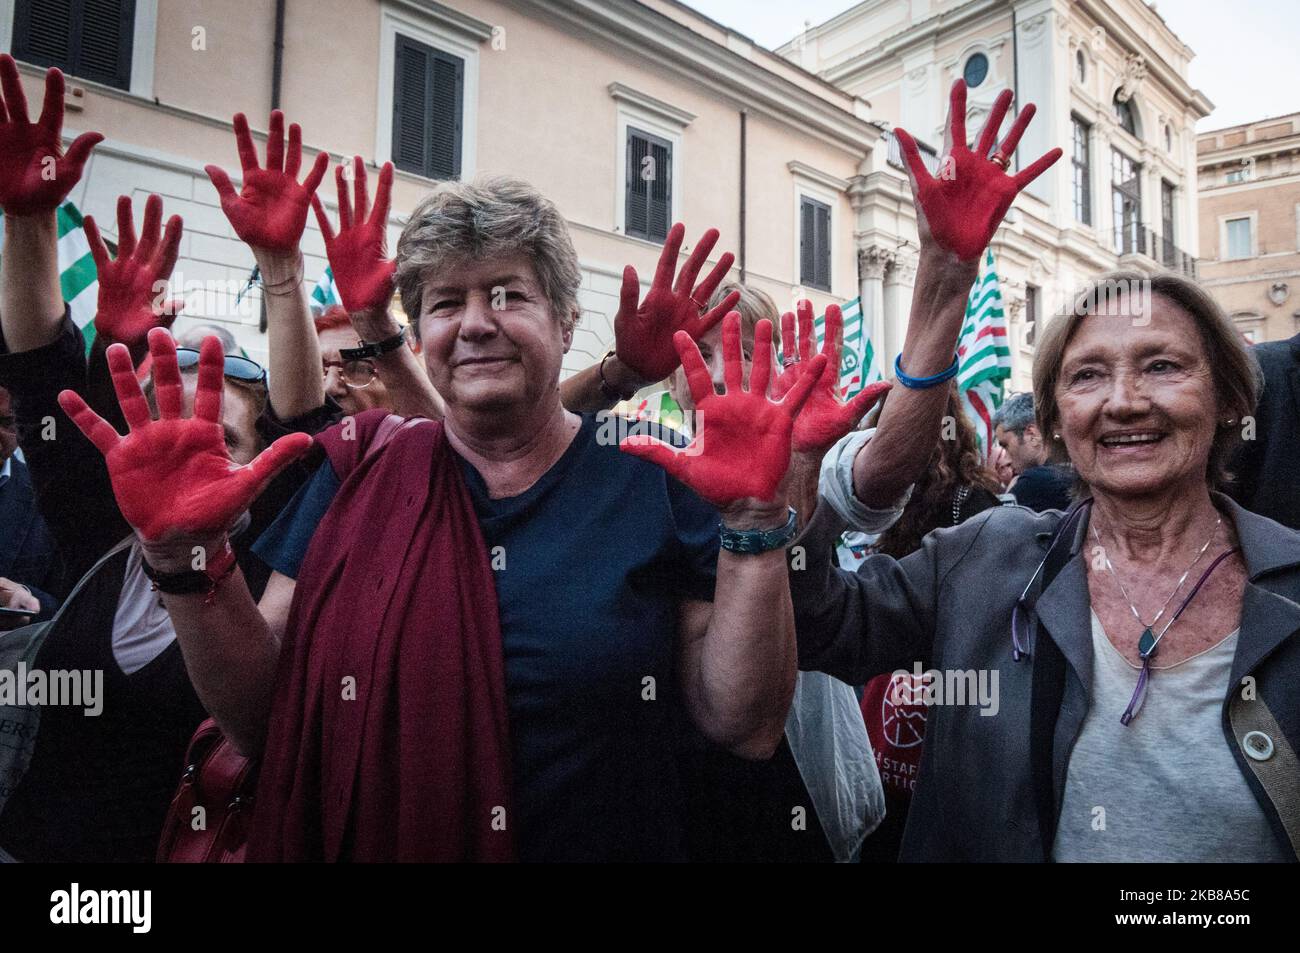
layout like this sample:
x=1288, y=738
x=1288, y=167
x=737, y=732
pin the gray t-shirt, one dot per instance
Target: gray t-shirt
x=1166, y=787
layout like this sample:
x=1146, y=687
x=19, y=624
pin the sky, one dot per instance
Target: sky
x=1245, y=49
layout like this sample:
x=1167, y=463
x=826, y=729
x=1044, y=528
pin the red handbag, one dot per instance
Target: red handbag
x=210, y=816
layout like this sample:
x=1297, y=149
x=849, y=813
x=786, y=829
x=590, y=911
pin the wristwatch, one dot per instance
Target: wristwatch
x=365, y=350
x=751, y=542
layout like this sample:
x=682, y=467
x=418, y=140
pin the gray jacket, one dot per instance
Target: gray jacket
x=990, y=788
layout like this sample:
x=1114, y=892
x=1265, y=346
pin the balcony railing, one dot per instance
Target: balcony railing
x=1139, y=239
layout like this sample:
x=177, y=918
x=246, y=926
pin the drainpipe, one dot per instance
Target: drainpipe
x=743, y=147
x=1015, y=78
x=277, y=67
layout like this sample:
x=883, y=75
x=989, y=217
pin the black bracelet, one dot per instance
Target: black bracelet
x=608, y=389
x=364, y=351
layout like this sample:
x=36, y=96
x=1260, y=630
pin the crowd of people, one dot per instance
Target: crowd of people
x=436, y=613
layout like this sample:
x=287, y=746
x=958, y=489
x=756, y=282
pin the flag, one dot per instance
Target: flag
x=657, y=407
x=78, y=279
x=858, y=354
x=984, y=358
x=326, y=293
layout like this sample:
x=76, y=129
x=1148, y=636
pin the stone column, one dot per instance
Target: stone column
x=873, y=263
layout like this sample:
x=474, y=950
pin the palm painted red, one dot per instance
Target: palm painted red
x=825, y=418
x=270, y=210
x=962, y=208
x=35, y=174
x=173, y=476
x=358, y=253
x=644, y=334
x=741, y=446
x=132, y=286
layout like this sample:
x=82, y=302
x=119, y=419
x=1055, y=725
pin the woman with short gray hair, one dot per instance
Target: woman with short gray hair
x=1119, y=681
x=482, y=632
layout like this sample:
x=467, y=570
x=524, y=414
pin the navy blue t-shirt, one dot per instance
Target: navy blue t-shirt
x=591, y=564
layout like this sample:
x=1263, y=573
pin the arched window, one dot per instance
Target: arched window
x=1126, y=114
x=1080, y=66
x=976, y=71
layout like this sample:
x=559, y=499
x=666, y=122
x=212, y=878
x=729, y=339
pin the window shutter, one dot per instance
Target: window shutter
x=823, y=274
x=807, y=247
x=87, y=38
x=428, y=110
x=445, y=115
x=648, y=207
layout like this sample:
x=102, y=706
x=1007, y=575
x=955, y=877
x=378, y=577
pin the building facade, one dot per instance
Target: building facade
x=1109, y=80
x=629, y=115
x=1250, y=224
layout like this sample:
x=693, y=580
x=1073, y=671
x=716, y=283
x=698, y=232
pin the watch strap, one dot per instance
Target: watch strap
x=371, y=349
x=752, y=542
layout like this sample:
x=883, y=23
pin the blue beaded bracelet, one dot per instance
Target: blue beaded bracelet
x=921, y=383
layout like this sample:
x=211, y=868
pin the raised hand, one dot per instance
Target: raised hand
x=824, y=418
x=35, y=175
x=130, y=287
x=358, y=254
x=173, y=477
x=961, y=209
x=741, y=448
x=270, y=211
x=644, y=335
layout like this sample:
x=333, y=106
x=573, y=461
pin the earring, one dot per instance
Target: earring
x=1056, y=436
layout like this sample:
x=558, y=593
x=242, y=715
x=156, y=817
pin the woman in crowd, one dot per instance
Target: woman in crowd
x=1145, y=642
x=497, y=663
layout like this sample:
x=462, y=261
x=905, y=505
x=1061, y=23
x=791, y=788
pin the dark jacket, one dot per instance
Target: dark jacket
x=1044, y=487
x=990, y=788
x=27, y=551
x=1268, y=477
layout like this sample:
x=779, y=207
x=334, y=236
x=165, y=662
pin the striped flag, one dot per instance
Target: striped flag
x=326, y=293
x=857, y=356
x=984, y=358
x=77, y=276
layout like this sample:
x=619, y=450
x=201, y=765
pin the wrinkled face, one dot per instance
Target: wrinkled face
x=1137, y=407
x=238, y=417
x=8, y=427
x=353, y=400
x=1022, y=450
x=490, y=342
x=711, y=350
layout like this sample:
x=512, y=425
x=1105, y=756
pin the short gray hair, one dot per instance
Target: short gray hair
x=496, y=217
x=195, y=335
x=1015, y=414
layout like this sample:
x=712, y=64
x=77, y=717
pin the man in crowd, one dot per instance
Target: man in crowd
x=1267, y=480
x=28, y=560
x=1039, y=485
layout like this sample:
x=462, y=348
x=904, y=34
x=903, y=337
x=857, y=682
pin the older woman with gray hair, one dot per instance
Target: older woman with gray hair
x=482, y=633
x=1113, y=682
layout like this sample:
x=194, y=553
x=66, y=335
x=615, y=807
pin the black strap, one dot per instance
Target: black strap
x=1046, y=691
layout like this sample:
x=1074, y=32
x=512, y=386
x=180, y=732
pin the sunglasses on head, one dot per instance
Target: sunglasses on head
x=236, y=367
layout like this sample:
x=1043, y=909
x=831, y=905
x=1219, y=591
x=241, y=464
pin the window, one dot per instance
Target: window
x=814, y=244
x=1031, y=313
x=1081, y=159
x=1126, y=115
x=1126, y=195
x=976, y=71
x=428, y=109
x=1238, y=175
x=1080, y=66
x=1167, y=249
x=649, y=205
x=1239, y=238
x=92, y=39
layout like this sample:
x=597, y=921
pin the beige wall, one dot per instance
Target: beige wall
x=543, y=112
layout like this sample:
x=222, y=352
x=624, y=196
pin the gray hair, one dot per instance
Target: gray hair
x=754, y=305
x=195, y=335
x=496, y=217
x=1015, y=414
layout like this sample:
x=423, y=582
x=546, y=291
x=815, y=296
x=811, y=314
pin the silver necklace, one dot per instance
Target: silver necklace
x=1149, y=639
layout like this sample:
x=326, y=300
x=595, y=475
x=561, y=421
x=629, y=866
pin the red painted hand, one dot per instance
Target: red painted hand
x=961, y=209
x=741, y=448
x=270, y=211
x=173, y=476
x=132, y=286
x=824, y=418
x=644, y=335
x=358, y=254
x=35, y=175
